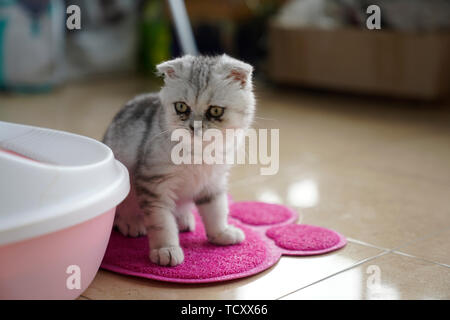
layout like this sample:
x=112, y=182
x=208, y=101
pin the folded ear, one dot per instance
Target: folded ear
x=166, y=69
x=237, y=71
x=172, y=69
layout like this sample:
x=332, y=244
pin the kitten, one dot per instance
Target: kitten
x=214, y=90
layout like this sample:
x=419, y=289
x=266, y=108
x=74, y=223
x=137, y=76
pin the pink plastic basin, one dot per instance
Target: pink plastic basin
x=40, y=268
x=58, y=195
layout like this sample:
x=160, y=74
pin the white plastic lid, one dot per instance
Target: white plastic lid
x=68, y=179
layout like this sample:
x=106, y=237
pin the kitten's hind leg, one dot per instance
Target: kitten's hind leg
x=128, y=219
x=184, y=217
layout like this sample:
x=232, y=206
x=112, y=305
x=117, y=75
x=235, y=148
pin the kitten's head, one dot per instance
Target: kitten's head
x=215, y=90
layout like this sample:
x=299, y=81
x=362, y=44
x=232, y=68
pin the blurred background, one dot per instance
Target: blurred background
x=310, y=43
x=362, y=109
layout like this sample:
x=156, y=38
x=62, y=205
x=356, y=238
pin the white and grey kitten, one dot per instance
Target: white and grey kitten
x=214, y=90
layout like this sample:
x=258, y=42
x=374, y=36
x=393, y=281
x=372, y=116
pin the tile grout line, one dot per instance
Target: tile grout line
x=385, y=252
x=425, y=237
x=336, y=273
x=420, y=258
x=356, y=241
x=397, y=249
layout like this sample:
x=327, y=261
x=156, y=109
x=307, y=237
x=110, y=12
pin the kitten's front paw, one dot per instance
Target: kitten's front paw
x=167, y=256
x=231, y=235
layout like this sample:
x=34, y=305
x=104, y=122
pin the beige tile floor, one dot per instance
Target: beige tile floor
x=376, y=170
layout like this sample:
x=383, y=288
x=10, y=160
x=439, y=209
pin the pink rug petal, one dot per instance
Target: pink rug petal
x=260, y=213
x=305, y=238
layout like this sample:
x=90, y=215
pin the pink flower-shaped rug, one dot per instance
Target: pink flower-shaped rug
x=270, y=232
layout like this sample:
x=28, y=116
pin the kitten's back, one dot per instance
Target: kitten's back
x=125, y=134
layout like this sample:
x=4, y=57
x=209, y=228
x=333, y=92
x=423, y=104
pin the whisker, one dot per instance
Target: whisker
x=262, y=118
x=162, y=132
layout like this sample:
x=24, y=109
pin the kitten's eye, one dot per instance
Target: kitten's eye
x=216, y=112
x=181, y=107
